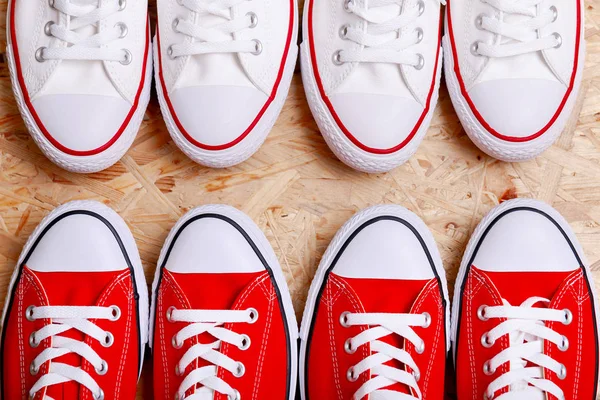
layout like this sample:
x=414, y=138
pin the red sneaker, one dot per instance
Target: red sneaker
x=375, y=321
x=525, y=313
x=224, y=325
x=75, y=323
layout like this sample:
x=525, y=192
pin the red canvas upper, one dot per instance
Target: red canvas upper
x=103, y=289
x=266, y=360
x=327, y=359
x=565, y=290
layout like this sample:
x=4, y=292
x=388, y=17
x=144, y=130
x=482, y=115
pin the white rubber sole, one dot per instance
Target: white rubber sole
x=476, y=237
x=490, y=144
x=80, y=164
x=252, y=142
x=334, y=247
x=260, y=240
x=128, y=241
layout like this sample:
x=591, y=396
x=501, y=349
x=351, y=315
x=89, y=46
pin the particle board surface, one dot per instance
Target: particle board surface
x=295, y=188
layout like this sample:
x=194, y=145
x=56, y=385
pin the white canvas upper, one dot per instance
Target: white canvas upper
x=372, y=67
x=80, y=72
x=518, y=71
x=223, y=71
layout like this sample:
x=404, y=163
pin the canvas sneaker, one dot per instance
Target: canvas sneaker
x=224, y=326
x=81, y=74
x=223, y=72
x=513, y=70
x=371, y=72
x=376, y=317
x=75, y=322
x=525, y=313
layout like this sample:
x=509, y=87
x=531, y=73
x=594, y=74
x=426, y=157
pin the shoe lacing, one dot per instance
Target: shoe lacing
x=75, y=44
x=382, y=41
x=214, y=37
x=211, y=322
x=516, y=26
x=63, y=319
x=527, y=331
x=382, y=325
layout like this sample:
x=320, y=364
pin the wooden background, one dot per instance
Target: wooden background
x=295, y=188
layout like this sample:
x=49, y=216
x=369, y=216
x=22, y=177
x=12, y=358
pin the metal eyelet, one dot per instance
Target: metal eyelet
x=420, y=349
x=175, y=343
x=562, y=374
x=48, y=28
x=344, y=319
x=558, y=40
x=564, y=344
x=479, y=21
x=51, y=3
x=32, y=342
x=568, y=317
x=421, y=62
x=486, y=342
x=116, y=313
x=33, y=370
x=427, y=320
x=487, y=396
x=103, y=368
x=169, y=315
x=128, y=57
x=344, y=32
x=122, y=5
x=178, y=370
x=109, y=340
x=481, y=313
x=487, y=369
x=258, y=47
x=170, y=52
x=421, y=7
x=30, y=309
x=348, y=5
x=350, y=375
x=175, y=24
x=240, y=370
x=236, y=396
x=337, y=59
x=39, y=54
x=253, y=19
x=348, y=348
x=416, y=375
x=253, y=315
x=245, y=345
x=99, y=396
x=475, y=49
x=123, y=28
x=419, y=35
x=554, y=11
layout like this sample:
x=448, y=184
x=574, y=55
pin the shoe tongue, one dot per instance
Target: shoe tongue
x=72, y=289
x=516, y=287
x=382, y=296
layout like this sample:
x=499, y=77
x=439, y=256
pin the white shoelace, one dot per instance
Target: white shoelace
x=63, y=319
x=382, y=42
x=527, y=332
x=516, y=38
x=385, y=324
x=211, y=322
x=217, y=38
x=75, y=45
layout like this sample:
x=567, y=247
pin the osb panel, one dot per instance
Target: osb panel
x=295, y=188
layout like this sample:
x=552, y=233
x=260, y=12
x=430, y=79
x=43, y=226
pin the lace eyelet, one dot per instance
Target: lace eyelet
x=236, y=396
x=240, y=370
x=51, y=3
x=128, y=57
x=39, y=54
x=421, y=62
x=48, y=28
x=564, y=345
x=109, y=340
x=175, y=343
x=169, y=315
x=175, y=24
x=486, y=342
x=417, y=375
x=554, y=12
x=559, y=40
x=487, y=369
x=421, y=7
x=427, y=320
x=475, y=49
x=33, y=370
x=487, y=396
x=344, y=319
x=170, y=52
x=562, y=374
x=420, y=349
x=178, y=370
x=481, y=313
x=568, y=317
x=123, y=28
x=258, y=47
x=479, y=21
x=30, y=309
x=253, y=315
x=348, y=347
x=245, y=345
x=337, y=59
x=344, y=32
x=103, y=368
x=122, y=5
x=99, y=396
x=420, y=35
x=116, y=313
x=253, y=20
x=350, y=375
x=348, y=5
x=32, y=342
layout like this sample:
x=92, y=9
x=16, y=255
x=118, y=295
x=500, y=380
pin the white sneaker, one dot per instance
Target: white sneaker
x=513, y=70
x=81, y=73
x=371, y=73
x=223, y=72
